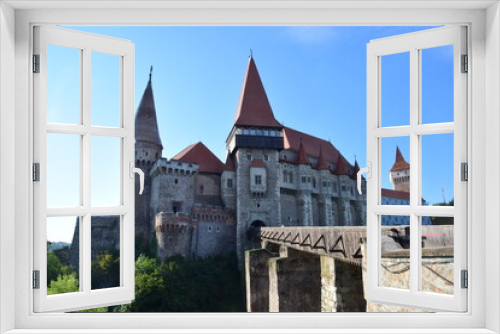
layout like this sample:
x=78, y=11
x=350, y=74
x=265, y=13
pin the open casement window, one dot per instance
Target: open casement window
x=432, y=240
x=83, y=156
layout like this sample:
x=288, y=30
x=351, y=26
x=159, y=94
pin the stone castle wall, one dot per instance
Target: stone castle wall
x=215, y=231
x=256, y=207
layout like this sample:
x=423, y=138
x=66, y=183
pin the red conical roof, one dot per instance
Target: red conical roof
x=200, y=154
x=254, y=108
x=340, y=169
x=400, y=162
x=229, y=166
x=321, y=160
x=146, y=125
x=301, y=155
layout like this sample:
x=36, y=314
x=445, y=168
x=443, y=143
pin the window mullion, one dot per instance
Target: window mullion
x=85, y=255
x=415, y=169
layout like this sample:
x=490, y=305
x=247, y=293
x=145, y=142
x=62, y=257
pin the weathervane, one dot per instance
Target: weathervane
x=150, y=72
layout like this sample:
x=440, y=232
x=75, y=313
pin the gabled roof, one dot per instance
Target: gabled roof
x=229, y=166
x=301, y=155
x=322, y=164
x=341, y=168
x=146, y=125
x=400, y=162
x=254, y=108
x=200, y=154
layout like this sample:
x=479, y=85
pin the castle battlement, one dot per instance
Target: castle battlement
x=213, y=214
x=163, y=218
x=173, y=167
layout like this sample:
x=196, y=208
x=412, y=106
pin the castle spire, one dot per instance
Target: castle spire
x=400, y=162
x=146, y=125
x=340, y=169
x=321, y=160
x=254, y=108
x=356, y=169
x=301, y=155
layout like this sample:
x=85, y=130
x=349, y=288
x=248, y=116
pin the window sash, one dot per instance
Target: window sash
x=86, y=297
x=413, y=43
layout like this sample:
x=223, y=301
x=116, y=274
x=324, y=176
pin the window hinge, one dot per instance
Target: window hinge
x=465, y=64
x=36, y=279
x=36, y=172
x=464, y=279
x=36, y=63
x=464, y=171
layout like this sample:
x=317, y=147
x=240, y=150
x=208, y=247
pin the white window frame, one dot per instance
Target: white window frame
x=86, y=43
x=413, y=43
x=483, y=20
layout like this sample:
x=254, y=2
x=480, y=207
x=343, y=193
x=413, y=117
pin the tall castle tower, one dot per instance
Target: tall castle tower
x=400, y=173
x=253, y=148
x=148, y=149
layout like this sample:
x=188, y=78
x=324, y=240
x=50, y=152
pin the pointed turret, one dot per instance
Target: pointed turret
x=400, y=162
x=322, y=164
x=301, y=155
x=254, y=108
x=146, y=125
x=400, y=173
x=340, y=169
x=355, y=171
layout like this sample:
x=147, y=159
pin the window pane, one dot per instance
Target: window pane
x=106, y=171
x=395, y=171
x=63, y=85
x=395, y=89
x=395, y=252
x=105, y=78
x=62, y=255
x=437, y=84
x=437, y=255
x=105, y=252
x=63, y=170
x=437, y=169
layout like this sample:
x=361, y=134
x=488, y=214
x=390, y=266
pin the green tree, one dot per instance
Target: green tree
x=65, y=283
x=187, y=285
x=105, y=270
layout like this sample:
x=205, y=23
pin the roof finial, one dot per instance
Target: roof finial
x=251, y=53
x=150, y=72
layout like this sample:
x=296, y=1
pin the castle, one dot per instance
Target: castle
x=195, y=205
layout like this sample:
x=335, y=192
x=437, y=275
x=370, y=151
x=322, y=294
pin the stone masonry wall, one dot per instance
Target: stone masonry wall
x=437, y=274
x=250, y=207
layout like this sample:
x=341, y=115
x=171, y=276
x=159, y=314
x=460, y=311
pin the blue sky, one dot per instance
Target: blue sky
x=315, y=78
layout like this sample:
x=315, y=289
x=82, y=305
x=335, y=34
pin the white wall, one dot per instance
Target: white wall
x=7, y=160
x=492, y=164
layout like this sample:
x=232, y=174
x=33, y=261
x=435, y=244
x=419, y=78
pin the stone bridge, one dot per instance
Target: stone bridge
x=313, y=269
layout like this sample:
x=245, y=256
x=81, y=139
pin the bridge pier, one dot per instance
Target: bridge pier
x=257, y=279
x=294, y=281
x=295, y=284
